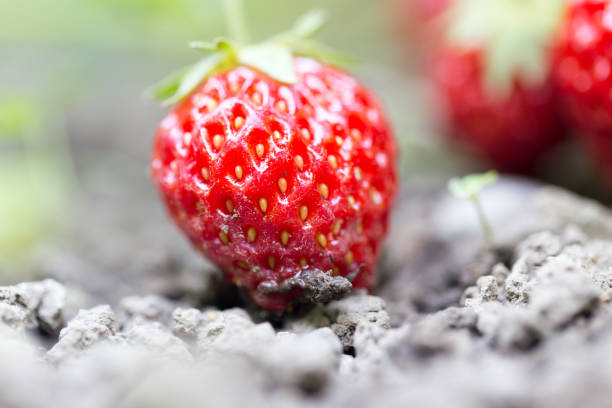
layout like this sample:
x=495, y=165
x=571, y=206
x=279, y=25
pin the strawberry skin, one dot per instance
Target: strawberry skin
x=269, y=179
x=583, y=72
x=583, y=64
x=512, y=131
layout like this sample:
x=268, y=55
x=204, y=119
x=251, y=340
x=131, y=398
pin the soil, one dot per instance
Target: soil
x=120, y=312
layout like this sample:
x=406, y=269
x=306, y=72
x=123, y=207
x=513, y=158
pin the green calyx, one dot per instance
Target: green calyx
x=514, y=35
x=273, y=57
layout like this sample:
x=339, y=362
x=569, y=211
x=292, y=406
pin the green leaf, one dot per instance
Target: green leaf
x=273, y=59
x=469, y=186
x=307, y=25
x=180, y=84
x=168, y=86
x=304, y=28
x=322, y=53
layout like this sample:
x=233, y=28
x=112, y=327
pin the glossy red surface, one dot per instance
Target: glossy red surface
x=583, y=67
x=322, y=144
x=584, y=64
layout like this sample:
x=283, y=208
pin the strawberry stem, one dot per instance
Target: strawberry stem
x=236, y=23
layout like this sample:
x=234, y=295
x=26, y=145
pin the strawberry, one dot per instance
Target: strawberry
x=491, y=74
x=582, y=70
x=276, y=168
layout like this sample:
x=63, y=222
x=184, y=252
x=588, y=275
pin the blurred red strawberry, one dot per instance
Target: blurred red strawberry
x=491, y=75
x=582, y=70
x=583, y=61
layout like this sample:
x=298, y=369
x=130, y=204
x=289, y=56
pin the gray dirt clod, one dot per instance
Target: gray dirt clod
x=155, y=337
x=86, y=329
x=444, y=332
x=316, y=285
x=141, y=309
x=555, y=280
x=13, y=309
x=507, y=327
x=500, y=272
x=306, y=361
x=516, y=288
x=487, y=287
x=218, y=333
x=186, y=323
x=368, y=313
x=32, y=305
x=314, y=319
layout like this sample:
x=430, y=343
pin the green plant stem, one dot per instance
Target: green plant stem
x=484, y=223
x=236, y=23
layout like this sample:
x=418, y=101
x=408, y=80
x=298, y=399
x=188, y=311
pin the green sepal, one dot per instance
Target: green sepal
x=470, y=186
x=180, y=84
x=322, y=53
x=298, y=38
x=272, y=59
x=167, y=87
x=305, y=27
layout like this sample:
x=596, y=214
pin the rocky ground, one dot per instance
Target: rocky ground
x=123, y=314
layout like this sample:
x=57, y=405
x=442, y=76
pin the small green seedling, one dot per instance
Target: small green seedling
x=469, y=187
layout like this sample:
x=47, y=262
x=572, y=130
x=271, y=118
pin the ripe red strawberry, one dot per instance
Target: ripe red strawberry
x=583, y=73
x=271, y=179
x=491, y=76
x=584, y=58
